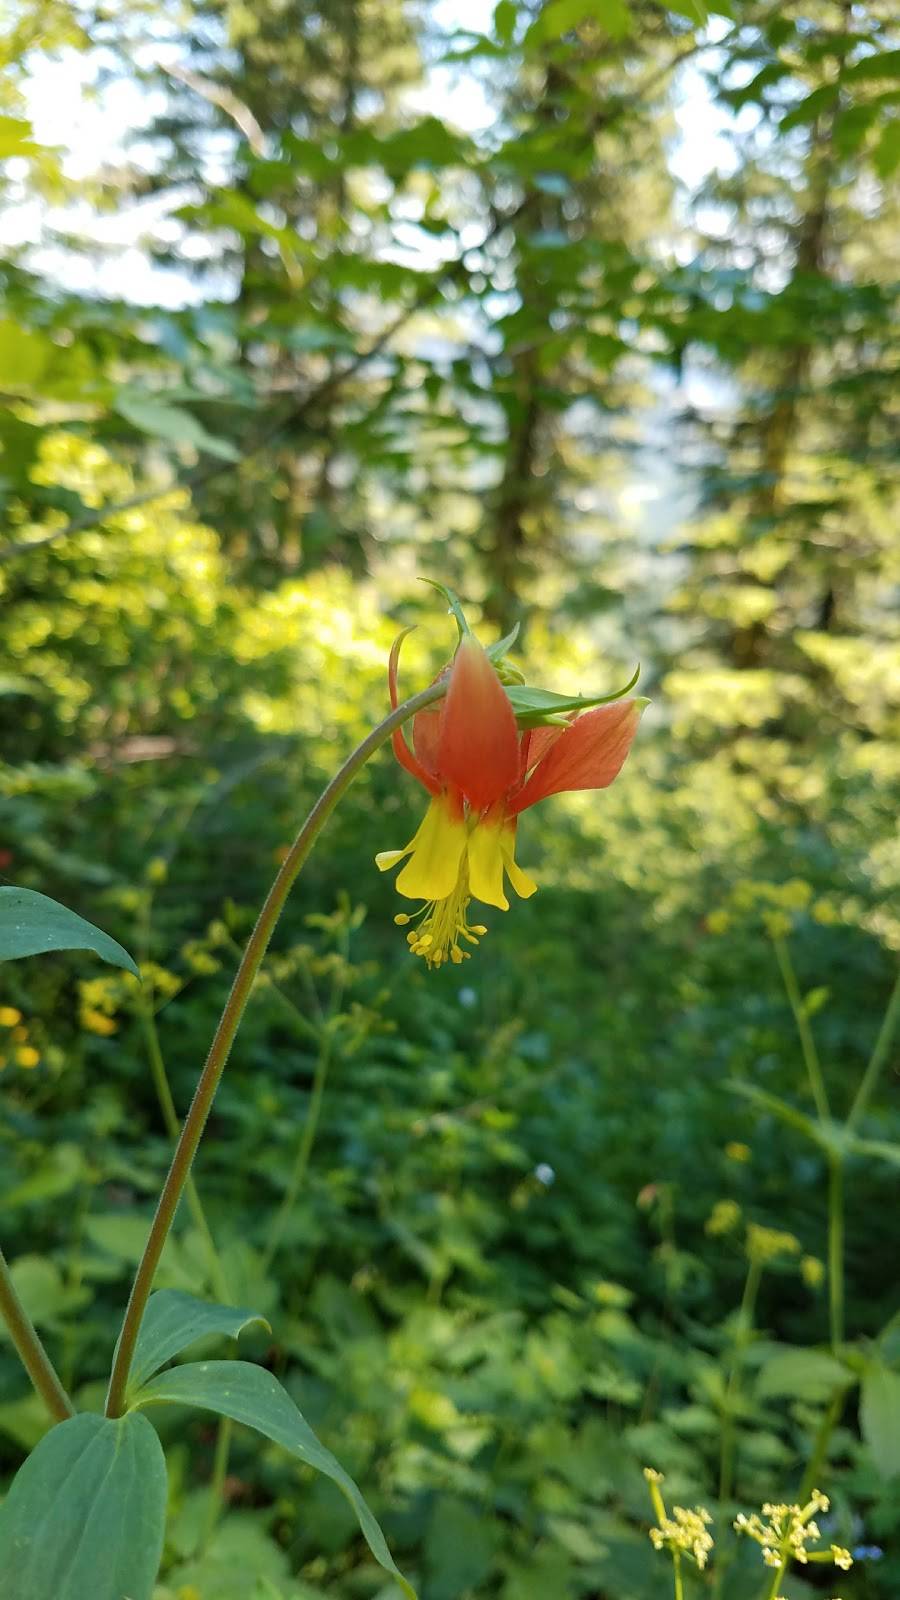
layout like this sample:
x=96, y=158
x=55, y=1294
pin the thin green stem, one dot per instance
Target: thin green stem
x=728, y=1442
x=807, y=1042
x=32, y=1354
x=679, y=1586
x=836, y=1249
x=208, y=1083
x=816, y=1461
x=170, y=1118
x=217, y=1478
x=774, y=1587
x=304, y=1151
x=878, y=1058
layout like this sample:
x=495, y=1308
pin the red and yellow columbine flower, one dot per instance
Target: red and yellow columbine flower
x=481, y=771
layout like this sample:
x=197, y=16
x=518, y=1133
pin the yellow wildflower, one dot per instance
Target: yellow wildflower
x=812, y=1271
x=783, y=1533
x=9, y=1016
x=96, y=1022
x=27, y=1056
x=765, y=1244
x=718, y=922
x=685, y=1532
x=724, y=1218
x=736, y=1151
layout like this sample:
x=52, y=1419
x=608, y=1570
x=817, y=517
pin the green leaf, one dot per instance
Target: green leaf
x=173, y=1320
x=249, y=1394
x=881, y=64
x=496, y=652
x=454, y=603
x=887, y=155
x=806, y=1374
x=534, y=706
x=561, y=16
x=810, y=108
x=32, y=923
x=694, y=10
x=163, y=421
x=505, y=16
x=15, y=138
x=879, y=1416
x=86, y=1513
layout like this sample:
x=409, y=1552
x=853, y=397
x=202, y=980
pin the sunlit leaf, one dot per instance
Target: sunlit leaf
x=32, y=923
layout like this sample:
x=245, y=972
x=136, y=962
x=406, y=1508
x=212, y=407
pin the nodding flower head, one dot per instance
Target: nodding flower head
x=481, y=770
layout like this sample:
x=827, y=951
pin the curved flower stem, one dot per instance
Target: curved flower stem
x=208, y=1083
x=31, y=1352
x=807, y=1042
x=878, y=1057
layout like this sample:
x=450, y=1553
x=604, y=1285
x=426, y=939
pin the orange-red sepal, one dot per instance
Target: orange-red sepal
x=588, y=754
x=478, y=747
x=401, y=749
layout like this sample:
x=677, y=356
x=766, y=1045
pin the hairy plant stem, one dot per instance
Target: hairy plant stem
x=878, y=1058
x=807, y=1042
x=32, y=1354
x=208, y=1083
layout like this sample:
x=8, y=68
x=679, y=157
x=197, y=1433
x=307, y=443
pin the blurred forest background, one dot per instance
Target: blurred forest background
x=589, y=309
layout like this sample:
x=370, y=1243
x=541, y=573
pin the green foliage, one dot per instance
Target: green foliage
x=173, y=1321
x=85, y=1515
x=31, y=924
x=502, y=1223
x=249, y=1394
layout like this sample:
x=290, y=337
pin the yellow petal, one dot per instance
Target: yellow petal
x=521, y=881
x=437, y=849
x=386, y=859
x=486, y=865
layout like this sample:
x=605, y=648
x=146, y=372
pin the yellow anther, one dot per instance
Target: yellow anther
x=401, y=919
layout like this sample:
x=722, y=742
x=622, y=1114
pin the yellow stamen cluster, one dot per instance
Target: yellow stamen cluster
x=441, y=924
x=783, y=1532
x=685, y=1532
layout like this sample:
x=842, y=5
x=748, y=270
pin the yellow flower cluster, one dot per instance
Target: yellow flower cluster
x=735, y=1151
x=766, y=1244
x=724, y=1218
x=102, y=999
x=686, y=1532
x=23, y=1054
x=783, y=1533
x=812, y=1271
x=775, y=904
